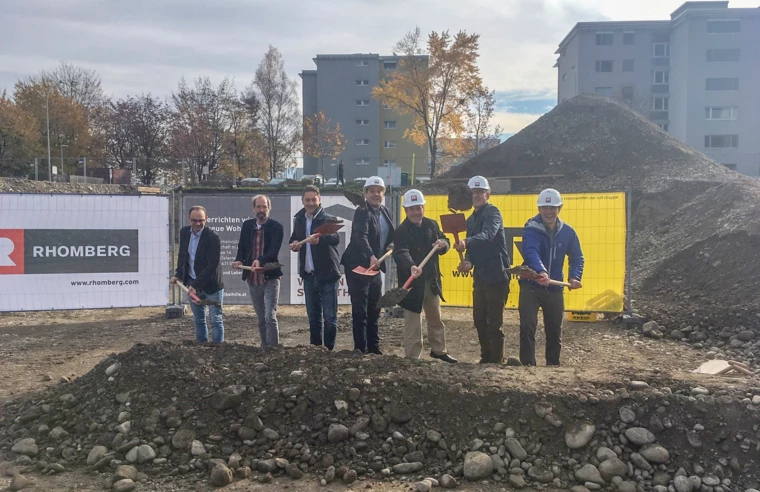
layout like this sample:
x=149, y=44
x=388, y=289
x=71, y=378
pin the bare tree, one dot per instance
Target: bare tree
x=280, y=118
x=79, y=84
x=483, y=135
x=640, y=103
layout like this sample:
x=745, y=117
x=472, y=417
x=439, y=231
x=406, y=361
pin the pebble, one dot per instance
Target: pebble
x=27, y=447
x=220, y=475
x=756, y=400
x=19, y=482
x=477, y=466
x=183, y=439
x=589, y=473
x=612, y=468
x=639, y=436
x=627, y=487
x=605, y=453
x=682, y=484
x=124, y=485
x=350, y=476
x=197, y=449
x=337, y=433
x=270, y=434
x=638, y=385
x=424, y=486
x=699, y=391
x=515, y=449
x=654, y=453
x=448, y=482
x=579, y=435
x=627, y=415
x=407, y=468
x=113, y=369
x=433, y=436
x=517, y=481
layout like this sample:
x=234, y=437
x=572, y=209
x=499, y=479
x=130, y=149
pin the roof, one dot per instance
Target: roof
x=593, y=26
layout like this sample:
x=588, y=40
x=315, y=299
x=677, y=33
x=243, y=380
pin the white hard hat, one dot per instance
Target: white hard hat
x=478, y=183
x=413, y=197
x=549, y=198
x=374, y=181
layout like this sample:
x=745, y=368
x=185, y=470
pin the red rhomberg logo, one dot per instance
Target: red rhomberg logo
x=11, y=251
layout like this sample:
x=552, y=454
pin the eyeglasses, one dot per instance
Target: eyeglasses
x=197, y=221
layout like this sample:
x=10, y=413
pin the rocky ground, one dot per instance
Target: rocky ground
x=623, y=413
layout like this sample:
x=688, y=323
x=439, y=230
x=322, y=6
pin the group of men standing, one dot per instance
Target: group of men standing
x=546, y=242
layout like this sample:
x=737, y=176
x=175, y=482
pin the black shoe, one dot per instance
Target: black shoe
x=375, y=350
x=511, y=361
x=444, y=358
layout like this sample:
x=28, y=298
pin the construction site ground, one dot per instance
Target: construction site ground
x=37, y=349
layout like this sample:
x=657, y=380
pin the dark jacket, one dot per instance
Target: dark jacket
x=544, y=252
x=272, y=241
x=411, y=244
x=365, y=239
x=487, y=246
x=208, y=273
x=324, y=254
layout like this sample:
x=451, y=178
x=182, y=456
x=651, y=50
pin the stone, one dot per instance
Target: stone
x=477, y=466
x=197, y=449
x=246, y=434
x=448, y=482
x=27, y=447
x=183, y=439
x=353, y=394
x=294, y=472
x=113, y=369
x=220, y=476
x=59, y=434
x=399, y=414
x=19, y=482
x=612, y=468
x=122, y=398
x=124, y=427
x=746, y=335
x=627, y=486
x=337, y=433
x=589, y=473
x=270, y=434
x=515, y=449
x=433, y=436
x=682, y=484
x=756, y=400
x=540, y=474
x=640, y=463
x=350, y=477
x=639, y=385
x=124, y=485
x=342, y=409
x=579, y=488
x=605, y=453
x=517, y=481
x=229, y=397
x=132, y=455
x=145, y=453
x=378, y=423
x=649, y=326
x=125, y=472
x=627, y=415
x=654, y=453
x=96, y=454
x=542, y=408
x=424, y=486
x=639, y=436
x=661, y=478
x=579, y=435
x=699, y=391
x=407, y=468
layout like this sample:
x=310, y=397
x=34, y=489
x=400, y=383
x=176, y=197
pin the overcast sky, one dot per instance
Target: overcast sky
x=147, y=45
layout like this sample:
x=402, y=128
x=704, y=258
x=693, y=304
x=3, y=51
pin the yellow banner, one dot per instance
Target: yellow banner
x=599, y=219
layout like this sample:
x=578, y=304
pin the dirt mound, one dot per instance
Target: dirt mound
x=17, y=185
x=215, y=411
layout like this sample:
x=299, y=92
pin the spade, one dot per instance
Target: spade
x=394, y=296
x=194, y=297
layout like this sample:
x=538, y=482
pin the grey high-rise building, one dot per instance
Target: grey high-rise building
x=696, y=75
x=341, y=87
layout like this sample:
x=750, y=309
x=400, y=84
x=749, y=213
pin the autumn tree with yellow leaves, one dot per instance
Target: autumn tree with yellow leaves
x=322, y=140
x=436, y=89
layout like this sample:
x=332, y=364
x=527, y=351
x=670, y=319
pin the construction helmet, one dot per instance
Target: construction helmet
x=478, y=183
x=413, y=197
x=549, y=198
x=374, y=181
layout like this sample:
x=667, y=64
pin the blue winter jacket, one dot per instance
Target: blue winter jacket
x=543, y=253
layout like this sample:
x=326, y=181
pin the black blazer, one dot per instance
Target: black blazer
x=208, y=274
x=324, y=254
x=272, y=241
x=411, y=244
x=365, y=239
x=487, y=246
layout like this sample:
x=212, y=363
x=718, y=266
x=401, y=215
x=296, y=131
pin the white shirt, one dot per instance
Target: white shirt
x=309, y=266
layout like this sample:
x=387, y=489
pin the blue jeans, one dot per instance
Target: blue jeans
x=321, y=297
x=215, y=315
x=264, y=299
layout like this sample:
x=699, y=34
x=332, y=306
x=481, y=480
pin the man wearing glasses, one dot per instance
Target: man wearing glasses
x=198, y=268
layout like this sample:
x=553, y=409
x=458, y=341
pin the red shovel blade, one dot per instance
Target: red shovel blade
x=328, y=228
x=365, y=271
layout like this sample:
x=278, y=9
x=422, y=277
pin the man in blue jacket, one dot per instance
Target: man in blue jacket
x=545, y=243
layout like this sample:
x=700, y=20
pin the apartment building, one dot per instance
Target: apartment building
x=696, y=75
x=341, y=87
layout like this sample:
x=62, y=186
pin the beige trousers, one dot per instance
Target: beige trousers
x=431, y=306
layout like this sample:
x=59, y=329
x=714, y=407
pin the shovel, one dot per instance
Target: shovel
x=394, y=296
x=195, y=298
x=528, y=273
x=371, y=272
x=454, y=224
x=266, y=267
x=355, y=197
x=324, y=229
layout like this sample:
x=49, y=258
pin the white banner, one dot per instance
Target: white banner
x=83, y=251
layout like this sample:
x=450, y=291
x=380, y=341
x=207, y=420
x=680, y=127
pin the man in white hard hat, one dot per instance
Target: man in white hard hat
x=545, y=243
x=486, y=251
x=412, y=242
x=371, y=237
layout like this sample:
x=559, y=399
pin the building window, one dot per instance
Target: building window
x=362, y=102
x=389, y=125
x=722, y=84
x=362, y=141
x=362, y=63
x=389, y=65
x=661, y=50
x=722, y=113
x=389, y=162
x=661, y=77
x=664, y=126
x=386, y=106
x=723, y=26
x=362, y=122
x=604, y=38
x=660, y=103
x=604, y=66
x=731, y=166
x=603, y=91
x=727, y=55
x=627, y=65
x=362, y=82
x=390, y=144
x=362, y=162
x=721, y=141
x=628, y=37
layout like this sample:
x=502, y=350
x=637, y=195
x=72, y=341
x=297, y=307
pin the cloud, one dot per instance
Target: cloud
x=512, y=123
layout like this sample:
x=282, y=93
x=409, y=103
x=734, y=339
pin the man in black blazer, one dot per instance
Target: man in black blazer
x=198, y=268
x=260, y=241
x=486, y=248
x=318, y=266
x=371, y=236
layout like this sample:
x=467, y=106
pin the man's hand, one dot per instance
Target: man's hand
x=575, y=284
x=255, y=264
x=440, y=245
x=461, y=245
x=295, y=247
x=236, y=265
x=543, y=279
x=173, y=280
x=416, y=271
x=314, y=239
x=465, y=266
x=373, y=263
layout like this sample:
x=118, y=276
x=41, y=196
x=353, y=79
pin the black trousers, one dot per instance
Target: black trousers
x=365, y=293
x=488, y=302
x=553, y=306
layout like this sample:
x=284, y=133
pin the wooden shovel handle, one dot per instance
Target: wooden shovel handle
x=302, y=242
x=194, y=297
x=421, y=265
x=456, y=240
x=381, y=259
